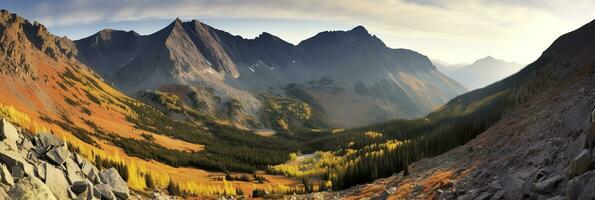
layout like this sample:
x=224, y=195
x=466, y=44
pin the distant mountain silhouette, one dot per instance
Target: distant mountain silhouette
x=480, y=73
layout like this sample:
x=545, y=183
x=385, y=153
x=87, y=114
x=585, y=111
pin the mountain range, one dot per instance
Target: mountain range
x=480, y=73
x=179, y=111
x=329, y=71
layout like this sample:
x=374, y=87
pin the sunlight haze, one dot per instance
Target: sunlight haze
x=452, y=31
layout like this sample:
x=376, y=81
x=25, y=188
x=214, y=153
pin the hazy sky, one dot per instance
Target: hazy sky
x=454, y=31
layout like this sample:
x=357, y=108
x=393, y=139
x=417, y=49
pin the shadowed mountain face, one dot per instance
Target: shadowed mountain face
x=533, y=128
x=543, y=135
x=349, y=75
x=480, y=73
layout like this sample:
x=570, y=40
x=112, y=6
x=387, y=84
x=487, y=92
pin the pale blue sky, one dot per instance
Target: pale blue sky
x=454, y=31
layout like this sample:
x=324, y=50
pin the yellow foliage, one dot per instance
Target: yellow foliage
x=194, y=188
x=282, y=124
x=136, y=180
x=372, y=134
x=292, y=156
x=279, y=189
x=161, y=180
x=314, y=165
x=13, y=115
x=328, y=184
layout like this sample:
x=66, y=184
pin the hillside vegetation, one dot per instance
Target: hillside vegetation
x=369, y=153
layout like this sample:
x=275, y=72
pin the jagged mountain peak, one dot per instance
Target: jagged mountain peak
x=176, y=25
x=358, y=35
x=178, y=21
x=359, y=29
x=107, y=34
x=265, y=36
x=19, y=36
x=207, y=42
x=196, y=22
x=173, y=29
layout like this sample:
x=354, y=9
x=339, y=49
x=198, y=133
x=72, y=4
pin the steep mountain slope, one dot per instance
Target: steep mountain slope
x=540, y=148
x=43, y=88
x=100, y=53
x=377, y=82
x=42, y=78
x=482, y=72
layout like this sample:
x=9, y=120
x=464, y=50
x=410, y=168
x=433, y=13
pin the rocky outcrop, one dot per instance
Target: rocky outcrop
x=42, y=167
x=116, y=183
x=581, y=174
x=30, y=188
x=580, y=164
x=9, y=133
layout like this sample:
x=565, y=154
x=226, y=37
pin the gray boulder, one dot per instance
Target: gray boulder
x=57, y=182
x=546, y=186
x=73, y=171
x=580, y=164
x=40, y=170
x=29, y=188
x=86, y=195
x=579, y=144
x=22, y=171
x=48, y=140
x=6, y=176
x=112, y=178
x=588, y=191
x=513, y=187
x=577, y=184
x=16, y=163
x=80, y=186
x=58, y=155
x=494, y=186
x=103, y=191
x=79, y=159
x=91, y=172
x=9, y=133
x=26, y=145
x=498, y=195
x=83, y=189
